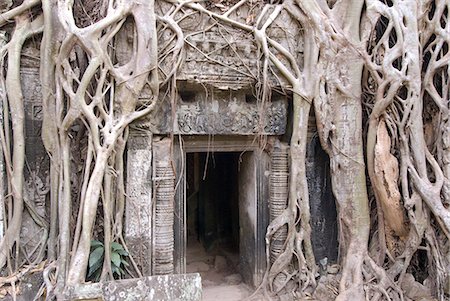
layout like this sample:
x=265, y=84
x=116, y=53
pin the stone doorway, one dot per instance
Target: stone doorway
x=222, y=204
x=212, y=200
x=212, y=217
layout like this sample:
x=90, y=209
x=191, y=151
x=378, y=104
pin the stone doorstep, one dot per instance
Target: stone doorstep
x=180, y=287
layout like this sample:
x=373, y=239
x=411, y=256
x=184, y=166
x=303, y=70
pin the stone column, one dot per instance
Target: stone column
x=138, y=209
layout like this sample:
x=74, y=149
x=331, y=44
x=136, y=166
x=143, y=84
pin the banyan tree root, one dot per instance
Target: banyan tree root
x=106, y=120
x=402, y=47
x=398, y=97
x=296, y=263
x=339, y=122
x=14, y=149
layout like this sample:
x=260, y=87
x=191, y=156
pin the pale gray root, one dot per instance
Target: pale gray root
x=331, y=78
x=15, y=169
x=49, y=49
x=130, y=79
x=339, y=121
x=398, y=102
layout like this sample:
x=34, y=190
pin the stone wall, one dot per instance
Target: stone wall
x=223, y=56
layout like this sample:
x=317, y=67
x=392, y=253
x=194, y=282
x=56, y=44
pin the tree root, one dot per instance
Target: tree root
x=82, y=84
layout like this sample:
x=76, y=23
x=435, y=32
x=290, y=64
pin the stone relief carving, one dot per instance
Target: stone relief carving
x=222, y=59
x=224, y=114
x=37, y=183
x=224, y=56
x=36, y=190
x=37, y=186
x=217, y=117
x=138, y=209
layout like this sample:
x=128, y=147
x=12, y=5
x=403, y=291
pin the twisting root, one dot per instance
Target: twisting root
x=404, y=49
x=13, y=99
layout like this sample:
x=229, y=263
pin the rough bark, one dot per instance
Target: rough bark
x=389, y=57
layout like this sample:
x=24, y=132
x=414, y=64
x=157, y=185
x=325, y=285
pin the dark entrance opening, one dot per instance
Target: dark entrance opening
x=212, y=215
x=322, y=204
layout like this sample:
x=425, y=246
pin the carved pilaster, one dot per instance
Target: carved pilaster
x=279, y=193
x=138, y=211
x=163, y=209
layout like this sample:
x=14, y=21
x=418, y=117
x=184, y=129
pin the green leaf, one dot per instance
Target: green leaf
x=96, y=268
x=116, y=246
x=126, y=264
x=122, y=252
x=96, y=256
x=95, y=243
x=115, y=259
x=115, y=270
x=122, y=272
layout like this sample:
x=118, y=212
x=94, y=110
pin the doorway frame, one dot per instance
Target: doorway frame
x=198, y=144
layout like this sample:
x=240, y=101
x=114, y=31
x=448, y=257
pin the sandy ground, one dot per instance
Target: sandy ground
x=226, y=292
x=219, y=270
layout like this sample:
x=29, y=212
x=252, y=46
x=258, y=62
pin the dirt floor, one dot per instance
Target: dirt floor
x=219, y=270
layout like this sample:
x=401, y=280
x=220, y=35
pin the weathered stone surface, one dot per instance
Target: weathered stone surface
x=180, y=287
x=92, y=291
x=327, y=288
x=199, y=112
x=138, y=209
x=225, y=56
x=447, y=285
x=36, y=174
x=26, y=290
x=414, y=289
x=322, y=203
x=163, y=241
x=279, y=190
x=170, y=288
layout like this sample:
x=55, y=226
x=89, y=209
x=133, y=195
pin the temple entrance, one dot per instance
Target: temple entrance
x=221, y=208
x=212, y=217
x=212, y=200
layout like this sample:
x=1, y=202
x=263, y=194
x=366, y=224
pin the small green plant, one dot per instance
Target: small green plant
x=96, y=259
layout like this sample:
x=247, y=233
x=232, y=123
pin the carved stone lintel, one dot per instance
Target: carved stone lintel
x=220, y=117
x=226, y=113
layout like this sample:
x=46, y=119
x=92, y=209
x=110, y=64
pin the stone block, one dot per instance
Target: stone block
x=169, y=287
x=179, y=287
